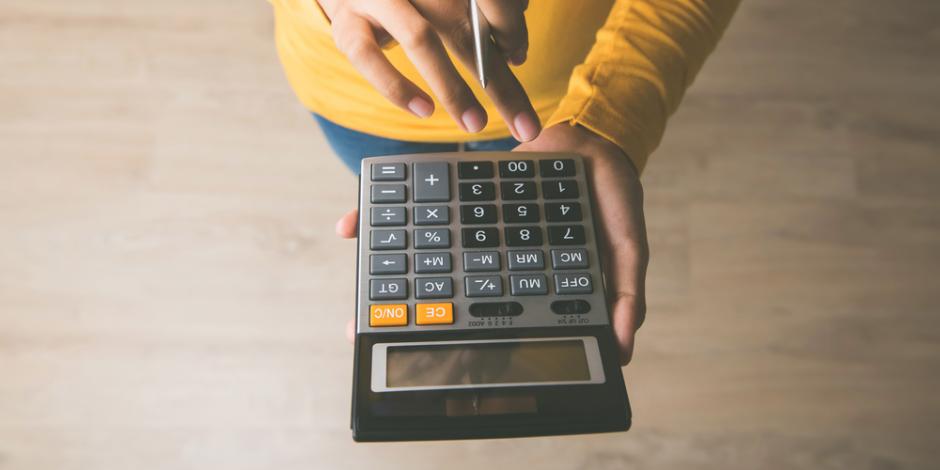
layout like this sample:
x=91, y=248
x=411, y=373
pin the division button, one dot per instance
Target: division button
x=480, y=261
x=573, y=283
x=483, y=286
x=432, y=263
x=385, y=216
x=387, y=240
x=516, y=169
x=528, y=284
x=431, y=182
x=518, y=190
x=495, y=309
x=388, y=315
x=560, y=189
x=434, y=314
x=570, y=307
x=569, y=258
x=388, y=193
x=523, y=260
x=563, y=211
x=380, y=289
x=432, y=215
x=432, y=238
x=474, y=170
x=388, y=264
x=556, y=168
x=388, y=172
x=434, y=288
x=565, y=234
x=480, y=237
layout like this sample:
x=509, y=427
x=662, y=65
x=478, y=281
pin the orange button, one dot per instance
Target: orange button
x=388, y=315
x=434, y=314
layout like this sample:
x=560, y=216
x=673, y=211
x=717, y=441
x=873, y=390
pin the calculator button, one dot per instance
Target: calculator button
x=518, y=190
x=387, y=240
x=474, y=170
x=482, y=191
x=386, y=193
x=431, y=182
x=560, y=189
x=573, y=283
x=516, y=169
x=480, y=237
x=432, y=215
x=432, y=238
x=483, y=286
x=571, y=258
x=380, y=289
x=556, y=168
x=388, y=172
x=434, y=288
x=562, y=211
x=434, y=314
x=523, y=236
x=480, y=261
x=382, y=216
x=478, y=214
x=570, y=307
x=388, y=264
x=432, y=263
x=516, y=213
x=565, y=234
x=388, y=315
x=528, y=284
x=495, y=309
x=525, y=260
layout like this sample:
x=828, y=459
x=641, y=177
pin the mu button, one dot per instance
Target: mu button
x=388, y=315
x=434, y=314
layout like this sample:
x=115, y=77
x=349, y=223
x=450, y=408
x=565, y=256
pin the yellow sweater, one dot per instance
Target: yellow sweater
x=617, y=67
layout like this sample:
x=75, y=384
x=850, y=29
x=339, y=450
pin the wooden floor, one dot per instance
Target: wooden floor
x=172, y=296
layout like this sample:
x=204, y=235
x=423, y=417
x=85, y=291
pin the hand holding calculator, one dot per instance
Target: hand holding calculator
x=480, y=304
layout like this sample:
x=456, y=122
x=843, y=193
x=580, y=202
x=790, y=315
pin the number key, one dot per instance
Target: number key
x=562, y=211
x=518, y=190
x=480, y=237
x=516, y=169
x=560, y=189
x=566, y=235
x=516, y=213
x=483, y=191
x=478, y=214
x=523, y=236
x=556, y=168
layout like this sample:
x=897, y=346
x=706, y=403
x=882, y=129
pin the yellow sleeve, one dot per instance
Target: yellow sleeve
x=644, y=57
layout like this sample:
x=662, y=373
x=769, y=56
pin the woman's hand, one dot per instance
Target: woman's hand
x=423, y=28
x=618, y=210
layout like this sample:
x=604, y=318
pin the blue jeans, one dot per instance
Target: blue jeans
x=352, y=146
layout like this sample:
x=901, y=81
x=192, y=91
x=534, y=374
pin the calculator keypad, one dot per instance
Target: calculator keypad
x=471, y=241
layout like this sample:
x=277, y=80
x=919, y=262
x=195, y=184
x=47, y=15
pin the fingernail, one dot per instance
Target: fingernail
x=527, y=126
x=518, y=58
x=474, y=119
x=420, y=107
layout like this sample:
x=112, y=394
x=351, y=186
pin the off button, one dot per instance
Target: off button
x=388, y=315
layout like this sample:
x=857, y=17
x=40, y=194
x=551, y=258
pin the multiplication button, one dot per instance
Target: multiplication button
x=432, y=215
x=573, y=283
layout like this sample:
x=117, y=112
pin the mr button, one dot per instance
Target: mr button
x=388, y=315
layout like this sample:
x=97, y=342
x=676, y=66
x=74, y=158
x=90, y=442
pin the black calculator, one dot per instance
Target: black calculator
x=480, y=306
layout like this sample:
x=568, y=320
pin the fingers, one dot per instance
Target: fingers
x=355, y=38
x=350, y=331
x=347, y=225
x=508, y=27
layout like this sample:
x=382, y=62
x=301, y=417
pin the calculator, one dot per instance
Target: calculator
x=480, y=306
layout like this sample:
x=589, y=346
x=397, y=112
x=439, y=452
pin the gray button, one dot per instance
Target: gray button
x=573, y=283
x=432, y=263
x=432, y=238
x=432, y=182
x=388, y=216
x=528, y=284
x=388, y=172
x=433, y=288
x=388, y=264
x=388, y=193
x=432, y=215
x=381, y=289
x=480, y=261
x=570, y=258
x=387, y=240
x=483, y=286
x=521, y=260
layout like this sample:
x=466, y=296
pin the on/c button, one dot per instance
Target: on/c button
x=434, y=314
x=388, y=315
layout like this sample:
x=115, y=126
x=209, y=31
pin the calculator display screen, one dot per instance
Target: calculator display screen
x=487, y=363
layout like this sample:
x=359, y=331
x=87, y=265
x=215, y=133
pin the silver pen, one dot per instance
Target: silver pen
x=481, y=40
